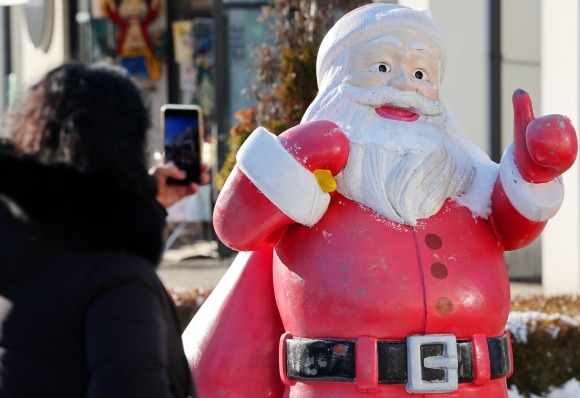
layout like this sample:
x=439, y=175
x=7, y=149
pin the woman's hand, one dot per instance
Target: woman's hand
x=168, y=194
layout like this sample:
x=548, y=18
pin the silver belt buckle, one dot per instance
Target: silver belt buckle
x=448, y=362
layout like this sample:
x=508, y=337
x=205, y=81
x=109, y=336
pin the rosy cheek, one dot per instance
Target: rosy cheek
x=368, y=80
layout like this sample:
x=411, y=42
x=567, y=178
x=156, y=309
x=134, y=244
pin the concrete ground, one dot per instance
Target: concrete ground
x=198, y=264
x=193, y=265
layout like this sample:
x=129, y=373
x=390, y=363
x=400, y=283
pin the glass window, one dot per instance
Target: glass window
x=243, y=32
x=203, y=85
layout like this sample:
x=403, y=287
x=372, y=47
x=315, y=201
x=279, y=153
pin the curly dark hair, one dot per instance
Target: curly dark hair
x=93, y=118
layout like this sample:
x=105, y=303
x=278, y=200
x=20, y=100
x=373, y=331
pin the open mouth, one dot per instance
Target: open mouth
x=403, y=115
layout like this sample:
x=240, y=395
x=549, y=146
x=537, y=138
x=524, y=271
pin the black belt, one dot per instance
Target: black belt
x=334, y=360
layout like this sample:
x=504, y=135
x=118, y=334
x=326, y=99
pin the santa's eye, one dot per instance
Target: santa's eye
x=421, y=75
x=380, y=68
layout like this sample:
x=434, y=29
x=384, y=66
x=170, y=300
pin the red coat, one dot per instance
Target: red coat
x=352, y=274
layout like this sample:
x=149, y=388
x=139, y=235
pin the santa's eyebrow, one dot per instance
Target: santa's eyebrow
x=419, y=45
x=386, y=39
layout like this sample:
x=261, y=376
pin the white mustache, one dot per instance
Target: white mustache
x=387, y=95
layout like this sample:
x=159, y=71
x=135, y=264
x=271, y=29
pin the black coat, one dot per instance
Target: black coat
x=82, y=311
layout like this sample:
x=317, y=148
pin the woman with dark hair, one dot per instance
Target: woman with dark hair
x=82, y=311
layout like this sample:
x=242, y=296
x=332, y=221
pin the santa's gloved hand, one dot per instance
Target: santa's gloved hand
x=544, y=147
x=321, y=147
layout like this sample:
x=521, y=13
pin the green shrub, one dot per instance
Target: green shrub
x=187, y=303
x=546, y=343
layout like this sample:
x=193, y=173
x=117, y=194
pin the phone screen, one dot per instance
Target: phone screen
x=183, y=131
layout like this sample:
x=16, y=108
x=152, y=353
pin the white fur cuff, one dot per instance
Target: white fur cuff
x=536, y=202
x=281, y=178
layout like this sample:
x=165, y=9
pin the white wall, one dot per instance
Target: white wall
x=560, y=44
x=28, y=62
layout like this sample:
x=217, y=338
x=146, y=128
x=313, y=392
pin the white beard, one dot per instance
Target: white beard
x=402, y=170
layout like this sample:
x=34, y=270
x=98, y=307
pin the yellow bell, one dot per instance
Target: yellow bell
x=325, y=180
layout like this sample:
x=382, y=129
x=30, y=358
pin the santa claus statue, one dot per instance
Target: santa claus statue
x=371, y=236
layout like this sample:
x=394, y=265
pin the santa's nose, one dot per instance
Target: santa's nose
x=403, y=82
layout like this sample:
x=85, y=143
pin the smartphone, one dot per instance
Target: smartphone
x=182, y=132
